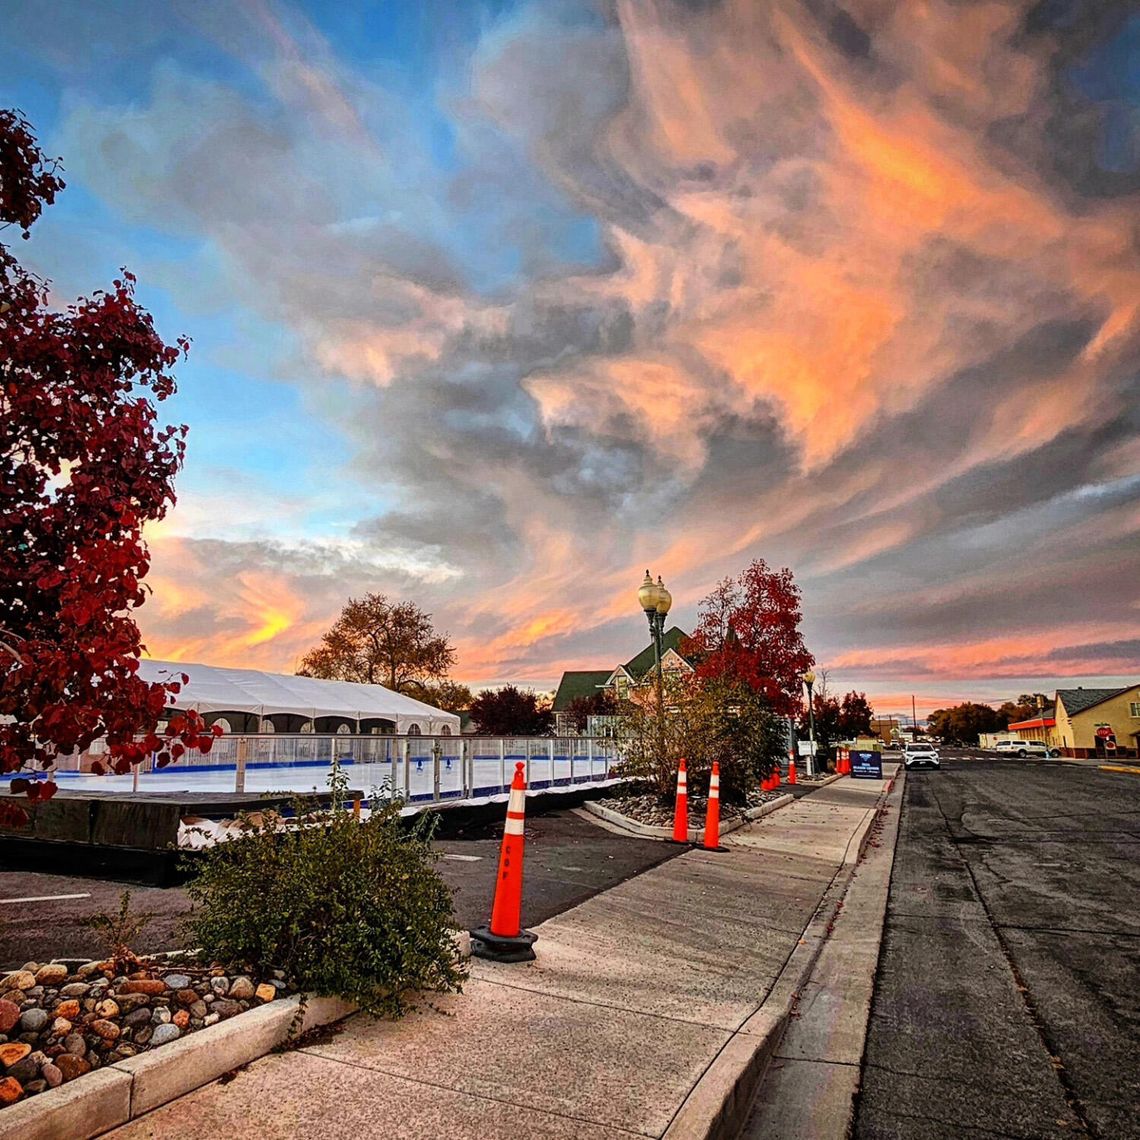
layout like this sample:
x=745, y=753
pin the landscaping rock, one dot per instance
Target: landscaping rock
x=181, y=1019
x=211, y=1019
x=108, y=1030
x=90, y=969
x=178, y=981
x=199, y=1009
x=38, y=1085
x=27, y=1069
x=142, y=1036
x=160, y=1016
x=72, y=1066
x=187, y=996
x=52, y=1075
x=51, y=975
x=75, y=989
x=144, y=986
x=137, y=1017
x=61, y=1027
x=9, y=1015
x=68, y=1009
x=226, y=1008
x=18, y=980
x=108, y=1008
x=220, y=986
x=13, y=1052
x=265, y=992
x=33, y=1020
x=165, y=1033
x=241, y=989
x=127, y=1002
x=10, y=1091
x=74, y=1043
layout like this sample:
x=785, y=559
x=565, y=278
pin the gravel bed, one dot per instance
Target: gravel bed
x=61, y=1020
x=648, y=808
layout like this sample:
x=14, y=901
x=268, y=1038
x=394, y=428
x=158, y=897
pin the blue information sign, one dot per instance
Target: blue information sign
x=866, y=765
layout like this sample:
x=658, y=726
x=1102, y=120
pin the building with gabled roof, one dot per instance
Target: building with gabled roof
x=623, y=680
x=1088, y=722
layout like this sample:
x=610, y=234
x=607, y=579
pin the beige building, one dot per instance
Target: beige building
x=1088, y=722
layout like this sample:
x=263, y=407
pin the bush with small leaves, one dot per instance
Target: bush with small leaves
x=345, y=907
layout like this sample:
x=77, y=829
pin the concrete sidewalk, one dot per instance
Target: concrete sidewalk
x=634, y=996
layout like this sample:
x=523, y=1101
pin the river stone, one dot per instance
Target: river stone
x=266, y=992
x=51, y=1073
x=220, y=986
x=108, y=1030
x=225, y=1008
x=75, y=989
x=211, y=1019
x=108, y=1008
x=28, y=1069
x=9, y=1015
x=137, y=1017
x=61, y=1027
x=51, y=975
x=160, y=1016
x=178, y=981
x=165, y=1033
x=10, y=1091
x=11, y=1053
x=18, y=980
x=68, y=1009
x=127, y=1002
x=241, y=989
x=142, y=1034
x=33, y=1020
x=143, y=986
x=199, y=1009
x=187, y=996
x=73, y=1043
x=72, y=1066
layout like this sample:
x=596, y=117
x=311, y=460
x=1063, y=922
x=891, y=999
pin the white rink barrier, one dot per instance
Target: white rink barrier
x=416, y=769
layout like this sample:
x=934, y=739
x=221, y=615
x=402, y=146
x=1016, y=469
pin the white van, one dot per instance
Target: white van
x=1023, y=748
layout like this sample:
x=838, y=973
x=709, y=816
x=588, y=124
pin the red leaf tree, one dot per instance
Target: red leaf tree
x=84, y=465
x=748, y=632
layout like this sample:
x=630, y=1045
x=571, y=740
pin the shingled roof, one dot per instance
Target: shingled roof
x=638, y=666
x=579, y=683
x=1077, y=700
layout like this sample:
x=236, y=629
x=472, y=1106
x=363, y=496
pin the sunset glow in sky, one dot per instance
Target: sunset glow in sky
x=496, y=304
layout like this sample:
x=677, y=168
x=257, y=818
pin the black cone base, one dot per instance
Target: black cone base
x=496, y=948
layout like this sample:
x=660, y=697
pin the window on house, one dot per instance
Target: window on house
x=414, y=730
x=1134, y=708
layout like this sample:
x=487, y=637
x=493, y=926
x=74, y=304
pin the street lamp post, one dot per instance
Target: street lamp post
x=655, y=601
x=809, y=680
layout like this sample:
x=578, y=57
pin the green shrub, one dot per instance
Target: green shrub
x=703, y=722
x=346, y=908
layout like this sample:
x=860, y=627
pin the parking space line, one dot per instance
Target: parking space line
x=463, y=858
x=46, y=898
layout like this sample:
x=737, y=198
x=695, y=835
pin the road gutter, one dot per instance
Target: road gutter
x=718, y=1106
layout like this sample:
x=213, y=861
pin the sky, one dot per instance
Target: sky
x=495, y=305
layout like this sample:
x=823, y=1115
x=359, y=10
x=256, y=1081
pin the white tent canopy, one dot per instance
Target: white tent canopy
x=213, y=689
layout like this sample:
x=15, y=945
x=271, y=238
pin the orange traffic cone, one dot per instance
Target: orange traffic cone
x=712, y=815
x=791, y=771
x=505, y=940
x=681, y=812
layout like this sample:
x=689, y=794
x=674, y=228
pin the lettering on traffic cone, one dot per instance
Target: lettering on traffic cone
x=504, y=939
x=712, y=814
x=791, y=771
x=681, y=811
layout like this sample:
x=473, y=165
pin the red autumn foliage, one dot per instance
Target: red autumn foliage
x=83, y=466
x=748, y=632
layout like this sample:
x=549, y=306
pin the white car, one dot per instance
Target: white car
x=916, y=754
x=1023, y=748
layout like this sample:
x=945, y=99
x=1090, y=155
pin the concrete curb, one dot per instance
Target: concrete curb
x=696, y=834
x=1128, y=769
x=99, y=1101
x=717, y=1106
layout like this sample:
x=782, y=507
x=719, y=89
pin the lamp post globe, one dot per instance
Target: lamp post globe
x=647, y=594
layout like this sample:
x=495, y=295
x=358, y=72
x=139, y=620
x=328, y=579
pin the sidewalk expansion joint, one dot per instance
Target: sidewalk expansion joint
x=614, y=1128
x=606, y=1005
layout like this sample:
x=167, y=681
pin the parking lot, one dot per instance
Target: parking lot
x=567, y=860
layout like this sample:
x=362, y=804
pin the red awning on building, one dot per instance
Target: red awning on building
x=1037, y=722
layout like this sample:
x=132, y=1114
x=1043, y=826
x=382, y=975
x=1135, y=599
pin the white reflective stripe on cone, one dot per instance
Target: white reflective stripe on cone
x=682, y=782
x=513, y=826
x=517, y=801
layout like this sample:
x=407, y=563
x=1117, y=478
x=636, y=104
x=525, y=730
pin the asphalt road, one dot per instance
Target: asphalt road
x=1007, y=999
x=567, y=860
